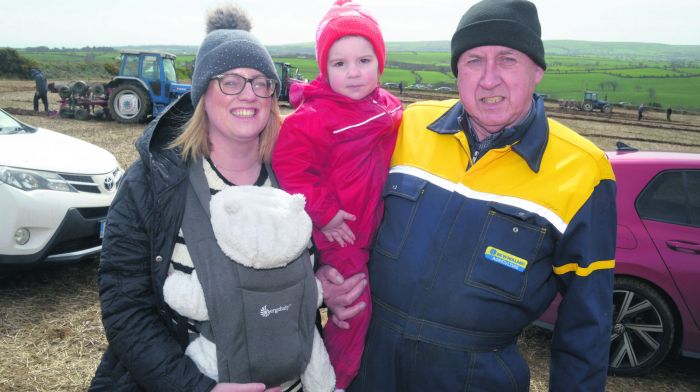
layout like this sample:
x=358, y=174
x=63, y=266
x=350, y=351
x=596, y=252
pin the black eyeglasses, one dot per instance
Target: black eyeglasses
x=233, y=84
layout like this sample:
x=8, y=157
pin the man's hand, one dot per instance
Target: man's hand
x=340, y=293
x=337, y=230
x=252, y=387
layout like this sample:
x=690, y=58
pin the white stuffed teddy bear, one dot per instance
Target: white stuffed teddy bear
x=261, y=228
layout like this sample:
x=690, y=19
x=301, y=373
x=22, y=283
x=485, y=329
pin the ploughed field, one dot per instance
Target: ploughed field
x=51, y=336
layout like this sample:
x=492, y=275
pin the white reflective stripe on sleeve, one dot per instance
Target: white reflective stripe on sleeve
x=450, y=186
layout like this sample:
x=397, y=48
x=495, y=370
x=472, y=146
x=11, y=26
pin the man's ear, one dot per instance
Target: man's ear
x=539, y=74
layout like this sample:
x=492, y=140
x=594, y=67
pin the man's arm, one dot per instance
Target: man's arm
x=584, y=264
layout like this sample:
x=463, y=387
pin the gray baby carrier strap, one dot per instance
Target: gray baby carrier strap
x=262, y=321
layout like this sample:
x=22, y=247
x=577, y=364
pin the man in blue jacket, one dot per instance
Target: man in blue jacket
x=41, y=89
x=491, y=209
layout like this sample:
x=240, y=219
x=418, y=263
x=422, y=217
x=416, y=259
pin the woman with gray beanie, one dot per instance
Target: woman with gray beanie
x=205, y=278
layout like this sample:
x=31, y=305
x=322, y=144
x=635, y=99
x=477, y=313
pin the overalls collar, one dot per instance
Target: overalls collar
x=528, y=138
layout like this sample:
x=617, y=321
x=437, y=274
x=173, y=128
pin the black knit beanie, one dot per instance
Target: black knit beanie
x=228, y=45
x=510, y=23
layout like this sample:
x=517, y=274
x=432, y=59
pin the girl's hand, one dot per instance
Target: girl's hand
x=252, y=387
x=338, y=231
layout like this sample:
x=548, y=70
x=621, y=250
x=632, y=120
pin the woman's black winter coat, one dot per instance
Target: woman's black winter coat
x=146, y=348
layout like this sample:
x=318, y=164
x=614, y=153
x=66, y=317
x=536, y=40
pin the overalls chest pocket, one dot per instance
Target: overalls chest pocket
x=508, y=245
x=402, y=196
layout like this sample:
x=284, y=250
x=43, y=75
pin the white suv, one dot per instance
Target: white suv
x=54, y=194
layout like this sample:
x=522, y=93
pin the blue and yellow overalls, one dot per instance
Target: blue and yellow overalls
x=469, y=254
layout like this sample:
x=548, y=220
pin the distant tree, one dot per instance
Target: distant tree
x=652, y=94
x=608, y=85
x=613, y=85
x=112, y=68
x=12, y=65
x=38, y=49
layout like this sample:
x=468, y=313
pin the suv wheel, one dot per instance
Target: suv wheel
x=643, y=328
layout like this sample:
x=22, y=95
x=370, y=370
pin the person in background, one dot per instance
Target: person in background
x=335, y=150
x=42, y=89
x=180, y=311
x=640, y=112
x=669, y=111
x=491, y=209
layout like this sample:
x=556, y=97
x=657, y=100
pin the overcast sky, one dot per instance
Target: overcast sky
x=78, y=23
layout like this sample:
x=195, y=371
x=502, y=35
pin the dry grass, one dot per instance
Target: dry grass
x=51, y=337
x=50, y=330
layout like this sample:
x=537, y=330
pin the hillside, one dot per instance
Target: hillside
x=631, y=73
x=613, y=50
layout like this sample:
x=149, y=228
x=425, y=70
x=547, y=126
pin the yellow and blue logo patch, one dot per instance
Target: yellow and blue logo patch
x=505, y=258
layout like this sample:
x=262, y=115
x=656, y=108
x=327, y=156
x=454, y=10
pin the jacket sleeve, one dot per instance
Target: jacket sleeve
x=584, y=264
x=135, y=331
x=299, y=161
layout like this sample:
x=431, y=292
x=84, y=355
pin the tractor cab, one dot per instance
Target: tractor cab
x=590, y=96
x=288, y=75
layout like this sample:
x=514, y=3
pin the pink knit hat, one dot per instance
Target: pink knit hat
x=347, y=18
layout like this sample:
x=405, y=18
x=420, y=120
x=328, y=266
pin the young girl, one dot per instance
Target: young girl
x=335, y=149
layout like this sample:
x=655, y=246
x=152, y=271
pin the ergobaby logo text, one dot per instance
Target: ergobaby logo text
x=265, y=312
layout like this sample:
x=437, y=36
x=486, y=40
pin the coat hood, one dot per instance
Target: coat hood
x=165, y=164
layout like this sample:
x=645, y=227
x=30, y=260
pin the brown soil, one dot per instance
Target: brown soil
x=50, y=330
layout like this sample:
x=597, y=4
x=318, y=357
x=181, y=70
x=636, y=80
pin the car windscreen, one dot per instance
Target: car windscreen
x=10, y=126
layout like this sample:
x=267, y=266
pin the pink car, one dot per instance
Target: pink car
x=657, y=270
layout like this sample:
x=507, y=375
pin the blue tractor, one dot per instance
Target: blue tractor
x=146, y=84
x=591, y=102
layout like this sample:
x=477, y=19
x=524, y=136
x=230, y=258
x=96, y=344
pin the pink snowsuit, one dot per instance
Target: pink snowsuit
x=336, y=152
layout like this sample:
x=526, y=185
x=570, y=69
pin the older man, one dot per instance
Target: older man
x=491, y=209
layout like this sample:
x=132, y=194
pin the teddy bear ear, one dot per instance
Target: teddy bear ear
x=298, y=201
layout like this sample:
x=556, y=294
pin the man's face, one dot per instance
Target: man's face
x=495, y=85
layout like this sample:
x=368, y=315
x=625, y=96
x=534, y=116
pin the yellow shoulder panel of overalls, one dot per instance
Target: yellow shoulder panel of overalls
x=571, y=166
x=443, y=155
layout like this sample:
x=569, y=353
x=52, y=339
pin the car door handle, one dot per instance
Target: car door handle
x=683, y=246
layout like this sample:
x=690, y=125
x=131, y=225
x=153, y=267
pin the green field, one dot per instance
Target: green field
x=430, y=58
x=398, y=75
x=660, y=74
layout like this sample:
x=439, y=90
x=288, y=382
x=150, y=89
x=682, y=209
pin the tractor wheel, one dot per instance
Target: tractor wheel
x=65, y=112
x=79, y=88
x=607, y=109
x=97, y=88
x=98, y=113
x=81, y=114
x=587, y=106
x=64, y=92
x=129, y=103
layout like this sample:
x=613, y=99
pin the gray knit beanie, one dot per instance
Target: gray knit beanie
x=510, y=23
x=229, y=44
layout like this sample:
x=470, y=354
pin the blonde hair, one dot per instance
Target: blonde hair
x=194, y=143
